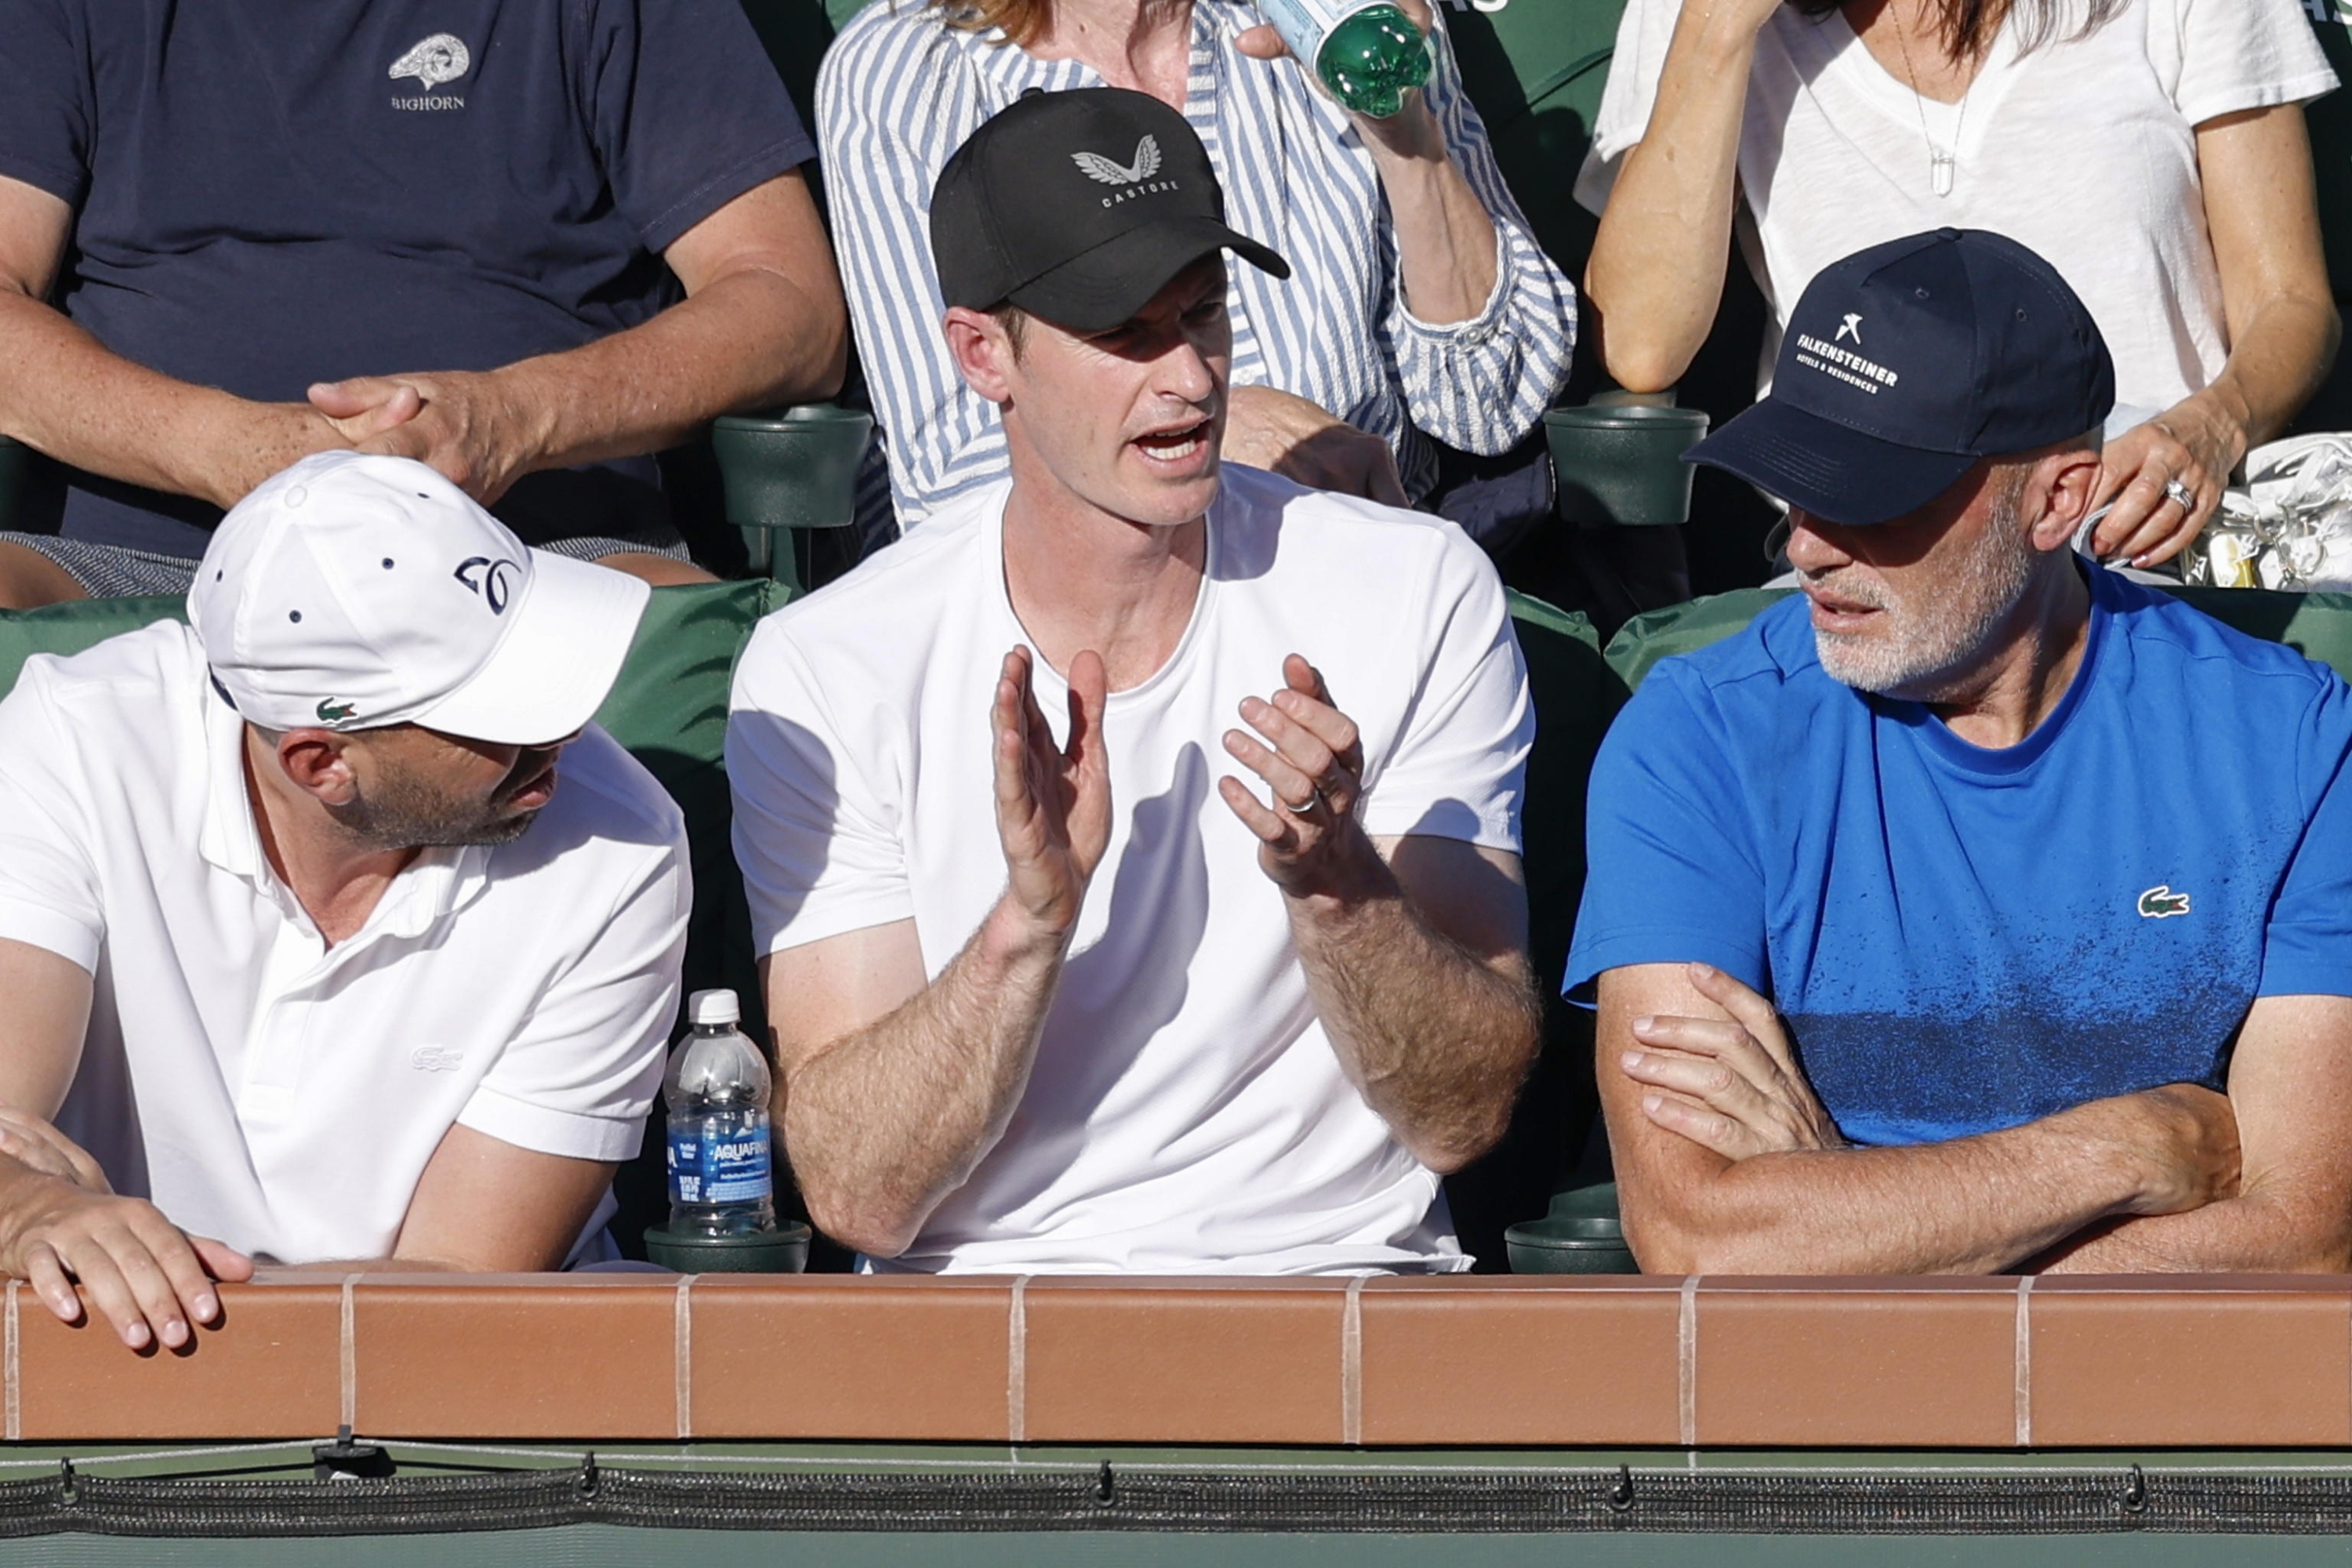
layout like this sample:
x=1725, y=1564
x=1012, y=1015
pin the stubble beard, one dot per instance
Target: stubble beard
x=1928, y=642
x=403, y=812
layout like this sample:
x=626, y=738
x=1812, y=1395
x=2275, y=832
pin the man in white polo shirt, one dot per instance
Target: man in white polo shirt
x=1048, y=993
x=298, y=937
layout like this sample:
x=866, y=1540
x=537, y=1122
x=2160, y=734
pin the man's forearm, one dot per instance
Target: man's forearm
x=750, y=340
x=1973, y=1205
x=2259, y=1232
x=65, y=394
x=883, y=1124
x=1437, y=1040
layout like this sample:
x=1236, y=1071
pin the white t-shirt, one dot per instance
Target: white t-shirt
x=1186, y=1112
x=2085, y=150
x=274, y=1093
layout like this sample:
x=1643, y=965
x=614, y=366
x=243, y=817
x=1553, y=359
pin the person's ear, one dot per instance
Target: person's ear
x=983, y=352
x=2058, y=495
x=318, y=763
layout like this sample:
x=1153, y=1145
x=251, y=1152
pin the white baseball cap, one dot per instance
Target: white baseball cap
x=353, y=592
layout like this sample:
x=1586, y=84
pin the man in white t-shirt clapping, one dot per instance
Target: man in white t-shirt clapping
x=304, y=956
x=1048, y=993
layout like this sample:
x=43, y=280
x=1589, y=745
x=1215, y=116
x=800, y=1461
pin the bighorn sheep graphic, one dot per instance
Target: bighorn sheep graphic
x=439, y=58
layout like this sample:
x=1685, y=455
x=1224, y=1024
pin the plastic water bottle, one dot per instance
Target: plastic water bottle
x=1366, y=53
x=721, y=1178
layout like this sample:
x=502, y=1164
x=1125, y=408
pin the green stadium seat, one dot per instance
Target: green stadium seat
x=1576, y=695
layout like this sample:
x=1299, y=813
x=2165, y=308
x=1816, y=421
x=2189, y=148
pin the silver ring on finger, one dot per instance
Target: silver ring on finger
x=2180, y=495
x=1314, y=799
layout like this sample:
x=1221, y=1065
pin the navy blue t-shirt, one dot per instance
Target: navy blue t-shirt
x=272, y=196
x=1964, y=940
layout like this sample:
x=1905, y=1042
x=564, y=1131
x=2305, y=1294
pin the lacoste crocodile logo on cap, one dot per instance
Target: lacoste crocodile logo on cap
x=2161, y=901
x=334, y=712
x=443, y=58
x=1098, y=167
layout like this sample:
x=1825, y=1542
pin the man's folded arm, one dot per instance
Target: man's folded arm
x=2291, y=1087
x=1978, y=1204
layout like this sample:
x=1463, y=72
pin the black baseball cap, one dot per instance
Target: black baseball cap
x=1078, y=207
x=1905, y=363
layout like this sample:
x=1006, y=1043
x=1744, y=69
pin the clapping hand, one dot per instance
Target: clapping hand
x=1053, y=802
x=1312, y=761
x=1733, y=1086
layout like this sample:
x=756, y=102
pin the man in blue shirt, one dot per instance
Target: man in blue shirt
x=232, y=235
x=2048, y=877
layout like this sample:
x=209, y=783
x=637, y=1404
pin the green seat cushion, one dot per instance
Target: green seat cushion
x=66, y=629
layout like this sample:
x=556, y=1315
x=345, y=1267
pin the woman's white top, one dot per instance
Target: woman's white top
x=2085, y=149
x=899, y=91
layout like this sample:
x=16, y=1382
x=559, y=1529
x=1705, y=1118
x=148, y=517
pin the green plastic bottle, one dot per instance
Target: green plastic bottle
x=1366, y=53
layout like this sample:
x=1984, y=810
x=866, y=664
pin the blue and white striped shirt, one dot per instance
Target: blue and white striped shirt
x=899, y=91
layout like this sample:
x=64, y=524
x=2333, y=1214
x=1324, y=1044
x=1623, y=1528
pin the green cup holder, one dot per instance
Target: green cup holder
x=1582, y=1234
x=783, y=1250
x=1623, y=464
x=792, y=470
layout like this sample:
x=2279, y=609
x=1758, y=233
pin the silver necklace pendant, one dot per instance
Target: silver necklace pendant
x=1942, y=167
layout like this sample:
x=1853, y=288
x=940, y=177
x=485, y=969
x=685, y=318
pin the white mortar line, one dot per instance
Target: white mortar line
x=16, y=1428
x=1352, y=1366
x=1016, y=1365
x=1686, y=1360
x=348, y=1359
x=2025, y=1361
x=682, y=1353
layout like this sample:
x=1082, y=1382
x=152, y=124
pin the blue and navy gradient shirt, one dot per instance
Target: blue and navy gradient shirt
x=1964, y=940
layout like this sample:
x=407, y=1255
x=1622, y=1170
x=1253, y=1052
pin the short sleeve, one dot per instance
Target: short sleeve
x=49, y=894
x=45, y=129
x=818, y=845
x=1671, y=876
x=580, y=1079
x=1458, y=769
x=686, y=111
x=1643, y=34
x=2307, y=944
x=2236, y=55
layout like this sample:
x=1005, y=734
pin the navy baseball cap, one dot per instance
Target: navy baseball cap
x=1905, y=363
x=1079, y=206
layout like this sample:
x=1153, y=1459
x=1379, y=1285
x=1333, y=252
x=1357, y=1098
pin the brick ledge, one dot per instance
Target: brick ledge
x=2123, y=1362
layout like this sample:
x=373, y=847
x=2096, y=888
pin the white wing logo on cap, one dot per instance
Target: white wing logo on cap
x=1098, y=167
x=439, y=58
x=1853, y=329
